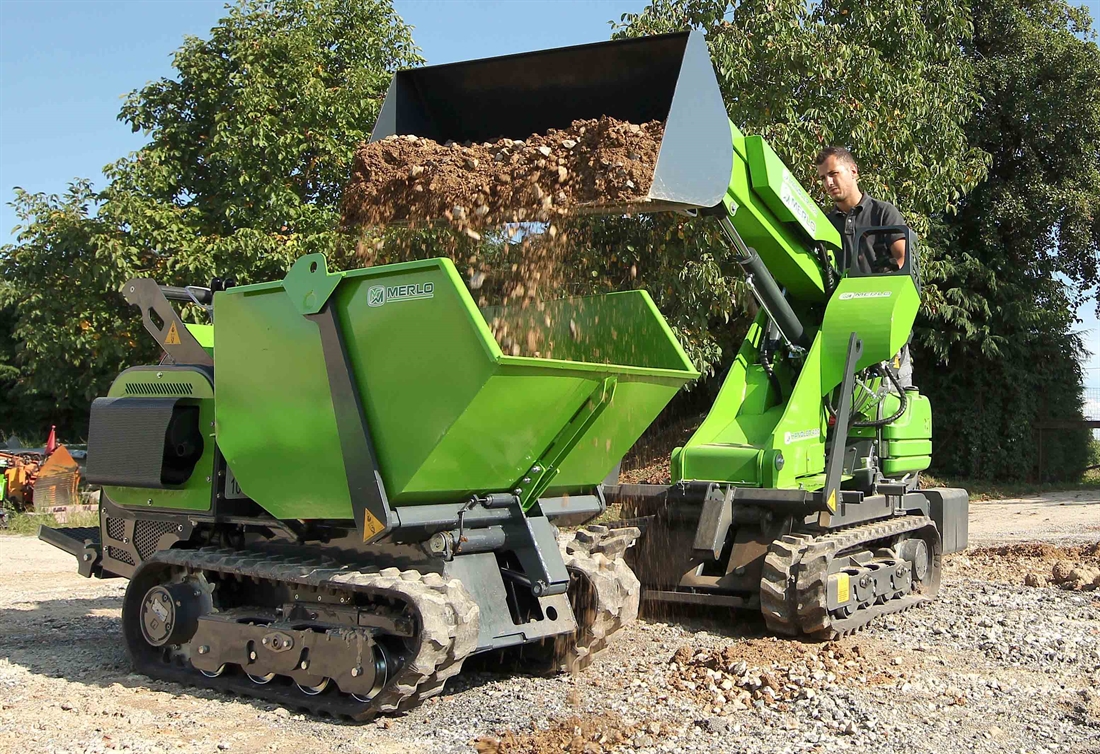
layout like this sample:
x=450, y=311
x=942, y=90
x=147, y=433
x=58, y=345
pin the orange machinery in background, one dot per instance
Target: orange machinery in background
x=39, y=479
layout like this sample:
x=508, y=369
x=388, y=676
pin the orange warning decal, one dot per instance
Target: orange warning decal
x=371, y=525
x=173, y=336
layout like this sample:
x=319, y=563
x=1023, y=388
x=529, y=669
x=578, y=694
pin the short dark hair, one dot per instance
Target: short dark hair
x=841, y=153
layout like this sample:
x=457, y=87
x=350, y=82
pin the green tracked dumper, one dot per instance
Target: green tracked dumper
x=344, y=489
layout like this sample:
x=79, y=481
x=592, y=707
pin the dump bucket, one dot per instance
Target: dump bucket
x=668, y=78
x=450, y=414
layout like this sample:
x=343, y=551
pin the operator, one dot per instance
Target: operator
x=854, y=211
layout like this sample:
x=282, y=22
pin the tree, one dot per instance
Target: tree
x=931, y=107
x=1023, y=248
x=806, y=75
x=68, y=330
x=250, y=144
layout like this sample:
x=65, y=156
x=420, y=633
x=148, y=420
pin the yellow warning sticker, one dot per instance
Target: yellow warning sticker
x=173, y=336
x=843, y=588
x=371, y=525
x=831, y=502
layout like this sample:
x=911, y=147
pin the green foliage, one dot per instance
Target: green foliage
x=27, y=524
x=806, y=76
x=1023, y=250
x=256, y=133
x=249, y=146
x=67, y=337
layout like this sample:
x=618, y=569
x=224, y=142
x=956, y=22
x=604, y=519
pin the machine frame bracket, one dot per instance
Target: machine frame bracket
x=834, y=461
x=543, y=471
x=370, y=505
x=172, y=336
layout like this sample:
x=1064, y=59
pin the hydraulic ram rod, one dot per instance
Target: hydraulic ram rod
x=764, y=287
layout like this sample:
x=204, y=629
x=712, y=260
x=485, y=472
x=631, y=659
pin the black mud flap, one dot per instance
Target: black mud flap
x=143, y=442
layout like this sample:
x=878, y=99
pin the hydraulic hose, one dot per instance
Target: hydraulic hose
x=766, y=364
x=827, y=270
x=902, y=405
x=902, y=397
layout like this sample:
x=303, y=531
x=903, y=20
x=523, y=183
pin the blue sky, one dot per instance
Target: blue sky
x=65, y=66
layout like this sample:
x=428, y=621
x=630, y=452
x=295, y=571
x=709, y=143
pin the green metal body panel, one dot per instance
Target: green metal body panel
x=195, y=494
x=449, y=413
x=784, y=195
x=781, y=245
x=3, y=487
x=748, y=428
x=204, y=334
x=906, y=465
x=881, y=309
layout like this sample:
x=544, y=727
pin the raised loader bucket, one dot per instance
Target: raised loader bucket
x=449, y=412
x=667, y=78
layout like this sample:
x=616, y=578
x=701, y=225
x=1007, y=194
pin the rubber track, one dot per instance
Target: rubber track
x=777, y=594
x=448, y=616
x=618, y=594
x=813, y=577
x=794, y=582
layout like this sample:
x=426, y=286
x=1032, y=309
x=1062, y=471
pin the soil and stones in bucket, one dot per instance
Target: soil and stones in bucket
x=499, y=209
x=414, y=180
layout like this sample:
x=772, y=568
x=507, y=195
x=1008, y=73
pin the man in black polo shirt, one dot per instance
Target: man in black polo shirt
x=854, y=211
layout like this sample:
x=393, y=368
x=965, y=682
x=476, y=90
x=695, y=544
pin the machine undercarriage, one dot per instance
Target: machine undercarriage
x=334, y=628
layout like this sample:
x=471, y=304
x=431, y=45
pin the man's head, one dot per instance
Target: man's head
x=839, y=175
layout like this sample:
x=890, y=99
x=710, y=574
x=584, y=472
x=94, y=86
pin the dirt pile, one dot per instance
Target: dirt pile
x=408, y=179
x=1068, y=575
x=1033, y=564
x=576, y=735
x=772, y=671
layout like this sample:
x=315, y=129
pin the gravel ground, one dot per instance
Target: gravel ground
x=991, y=666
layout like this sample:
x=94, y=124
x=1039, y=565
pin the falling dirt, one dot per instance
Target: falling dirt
x=648, y=461
x=500, y=210
x=576, y=735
